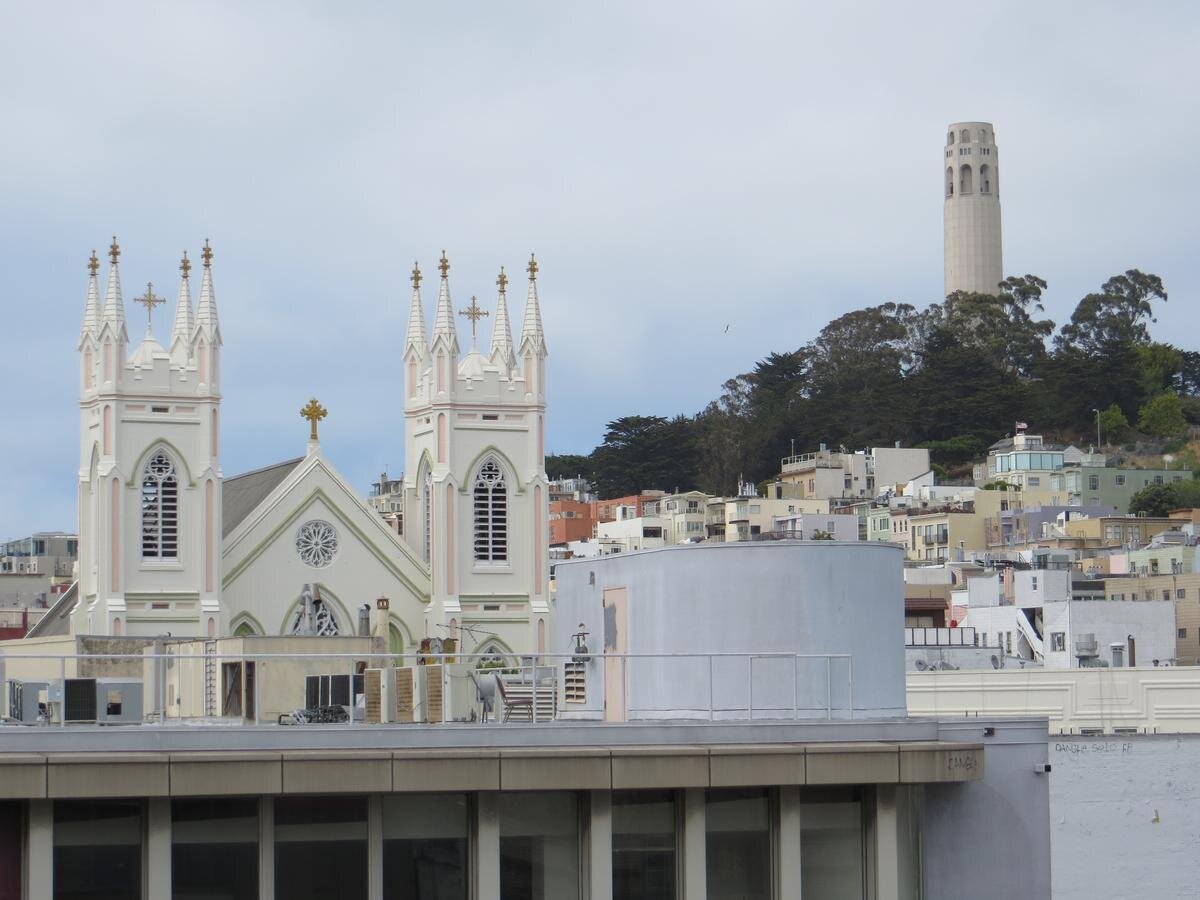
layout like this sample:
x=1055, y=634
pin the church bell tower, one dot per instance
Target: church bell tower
x=150, y=474
x=476, y=502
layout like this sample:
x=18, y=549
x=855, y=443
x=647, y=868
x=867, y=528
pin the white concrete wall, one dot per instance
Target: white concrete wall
x=1146, y=699
x=1124, y=815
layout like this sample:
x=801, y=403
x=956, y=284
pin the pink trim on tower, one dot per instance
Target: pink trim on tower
x=114, y=576
x=449, y=539
x=441, y=437
x=208, y=536
x=538, y=528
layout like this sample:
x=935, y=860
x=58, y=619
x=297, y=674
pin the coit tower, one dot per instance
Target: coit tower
x=972, y=211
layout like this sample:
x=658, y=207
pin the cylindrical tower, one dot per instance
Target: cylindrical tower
x=971, y=181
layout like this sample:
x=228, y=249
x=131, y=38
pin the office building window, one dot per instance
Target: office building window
x=831, y=850
x=1182, y=633
x=321, y=848
x=425, y=847
x=1180, y=594
x=214, y=849
x=643, y=845
x=97, y=849
x=1058, y=640
x=539, y=846
x=12, y=852
x=738, y=845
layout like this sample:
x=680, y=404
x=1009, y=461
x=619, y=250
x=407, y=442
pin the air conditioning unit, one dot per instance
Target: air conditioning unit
x=28, y=701
x=79, y=700
x=118, y=701
x=1085, y=646
x=390, y=695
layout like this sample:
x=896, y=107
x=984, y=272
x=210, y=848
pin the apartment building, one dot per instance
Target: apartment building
x=844, y=473
x=1183, y=590
x=387, y=499
x=629, y=507
x=571, y=520
x=51, y=553
x=940, y=535
x=1112, y=487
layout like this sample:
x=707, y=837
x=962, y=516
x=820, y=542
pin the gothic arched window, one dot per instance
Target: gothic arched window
x=160, y=508
x=491, y=513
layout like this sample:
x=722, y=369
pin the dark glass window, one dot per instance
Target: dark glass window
x=11, y=855
x=643, y=845
x=425, y=847
x=214, y=849
x=539, y=846
x=738, y=845
x=321, y=848
x=97, y=849
x=831, y=850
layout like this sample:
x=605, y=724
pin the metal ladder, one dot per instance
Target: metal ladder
x=210, y=678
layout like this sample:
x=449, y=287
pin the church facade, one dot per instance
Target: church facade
x=168, y=545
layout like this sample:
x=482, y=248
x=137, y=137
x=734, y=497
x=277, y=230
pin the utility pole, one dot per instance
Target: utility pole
x=1097, y=412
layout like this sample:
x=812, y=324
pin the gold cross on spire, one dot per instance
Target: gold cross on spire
x=416, y=276
x=502, y=280
x=444, y=265
x=94, y=264
x=474, y=313
x=184, y=265
x=206, y=255
x=314, y=412
x=149, y=300
x=532, y=268
x=114, y=250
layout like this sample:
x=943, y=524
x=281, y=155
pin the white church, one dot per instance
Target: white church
x=168, y=545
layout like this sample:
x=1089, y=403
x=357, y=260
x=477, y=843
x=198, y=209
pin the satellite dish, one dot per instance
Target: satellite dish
x=995, y=661
x=920, y=665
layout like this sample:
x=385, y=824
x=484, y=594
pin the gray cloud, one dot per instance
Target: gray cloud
x=677, y=166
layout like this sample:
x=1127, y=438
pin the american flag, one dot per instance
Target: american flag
x=1021, y=426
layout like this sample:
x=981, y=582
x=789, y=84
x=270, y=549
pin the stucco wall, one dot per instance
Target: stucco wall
x=1125, y=815
x=990, y=839
x=822, y=597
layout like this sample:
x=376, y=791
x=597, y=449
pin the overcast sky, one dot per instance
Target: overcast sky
x=677, y=167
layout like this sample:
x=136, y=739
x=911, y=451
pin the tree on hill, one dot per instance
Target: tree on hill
x=1160, y=499
x=1163, y=416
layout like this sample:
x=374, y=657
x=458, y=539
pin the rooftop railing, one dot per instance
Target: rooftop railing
x=269, y=689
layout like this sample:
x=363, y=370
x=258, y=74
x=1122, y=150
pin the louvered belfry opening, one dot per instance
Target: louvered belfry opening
x=160, y=509
x=491, y=514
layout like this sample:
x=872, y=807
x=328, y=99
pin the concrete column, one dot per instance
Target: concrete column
x=789, y=842
x=374, y=845
x=600, y=846
x=158, y=847
x=887, y=849
x=487, y=844
x=39, y=859
x=266, y=848
x=695, y=838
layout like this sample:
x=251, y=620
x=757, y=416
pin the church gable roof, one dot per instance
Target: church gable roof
x=242, y=493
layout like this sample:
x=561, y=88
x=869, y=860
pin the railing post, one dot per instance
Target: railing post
x=353, y=705
x=750, y=687
x=62, y=689
x=795, y=687
x=257, y=693
x=712, y=700
x=160, y=662
x=829, y=687
x=533, y=685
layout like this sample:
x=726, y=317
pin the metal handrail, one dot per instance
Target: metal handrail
x=527, y=668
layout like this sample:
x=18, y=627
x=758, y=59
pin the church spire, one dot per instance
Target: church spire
x=206, y=311
x=91, y=309
x=416, y=317
x=531, y=330
x=443, y=323
x=502, y=342
x=114, y=305
x=185, y=320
